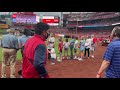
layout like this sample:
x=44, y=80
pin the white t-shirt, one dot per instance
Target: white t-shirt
x=53, y=54
x=51, y=39
x=88, y=43
x=76, y=44
x=66, y=44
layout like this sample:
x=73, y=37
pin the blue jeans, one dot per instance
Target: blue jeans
x=52, y=59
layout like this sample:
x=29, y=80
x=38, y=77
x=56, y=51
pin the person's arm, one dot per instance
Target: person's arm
x=2, y=41
x=19, y=43
x=103, y=67
x=106, y=60
x=39, y=60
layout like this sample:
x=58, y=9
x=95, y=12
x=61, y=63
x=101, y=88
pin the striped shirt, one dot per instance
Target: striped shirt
x=112, y=55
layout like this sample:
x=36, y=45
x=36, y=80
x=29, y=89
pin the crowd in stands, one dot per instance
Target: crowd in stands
x=82, y=32
x=92, y=16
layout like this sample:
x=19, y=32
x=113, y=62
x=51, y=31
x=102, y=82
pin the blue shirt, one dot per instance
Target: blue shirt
x=9, y=41
x=72, y=42
x=82, y=44
x=112, y=55
x=22, y=39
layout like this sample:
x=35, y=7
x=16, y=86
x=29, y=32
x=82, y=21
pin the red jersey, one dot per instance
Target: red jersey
x=60, y=46
x=94, y=40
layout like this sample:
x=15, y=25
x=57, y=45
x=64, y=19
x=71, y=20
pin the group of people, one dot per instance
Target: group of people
x=11, y=44
x=35, y=52
x=79, y=49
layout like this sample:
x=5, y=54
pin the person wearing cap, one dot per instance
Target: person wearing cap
x=9, y=43
x=35, y=54
x=22, y=39
x=111, y=57
x=21, y=42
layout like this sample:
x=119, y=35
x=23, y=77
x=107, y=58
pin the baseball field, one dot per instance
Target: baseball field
x=69, y=68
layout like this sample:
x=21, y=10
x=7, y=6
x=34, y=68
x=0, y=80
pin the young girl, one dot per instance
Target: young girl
x=53, y=55
x=75, y=48
x=87, y=46
x=82, y=48
x=66, y=46
x=60, y=46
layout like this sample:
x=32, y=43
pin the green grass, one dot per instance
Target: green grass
x=2, y=31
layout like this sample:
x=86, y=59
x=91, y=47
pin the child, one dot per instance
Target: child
x=53, y=55
x=82, y=48
x=93, y=44
x=72, y=41
x=66, y=46
x=87, y=46
x=75, y=48
x=60, y=46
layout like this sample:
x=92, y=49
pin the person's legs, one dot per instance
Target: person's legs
x=52, y=59
x=5, y=57
x=79, y=54
x=82, y=53
x=70, y=52
x=60, y=56
x=88, y=52
x=12, y=53
x=49, y=56
x=64, y=53
x=67, y=54
x=71, y=49
x=85, y=52
x=75, y=53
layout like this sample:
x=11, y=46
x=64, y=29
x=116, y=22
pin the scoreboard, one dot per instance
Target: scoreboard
x=51, y=20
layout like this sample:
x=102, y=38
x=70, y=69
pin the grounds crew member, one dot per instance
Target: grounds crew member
x=9, y=44
x=35, y=54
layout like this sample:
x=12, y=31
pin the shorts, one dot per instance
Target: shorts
x=65, y=49
x=82, y=48
x=60, y=51
x=92, y=48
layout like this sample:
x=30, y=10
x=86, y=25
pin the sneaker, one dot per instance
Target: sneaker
x=80, y=59
x=92, y=56
x=52, y=63
x=75, y=57
x=12, y=76
x=3, y=76
x=59, y=60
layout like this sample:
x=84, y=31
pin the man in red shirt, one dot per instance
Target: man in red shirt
x=35, y=54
